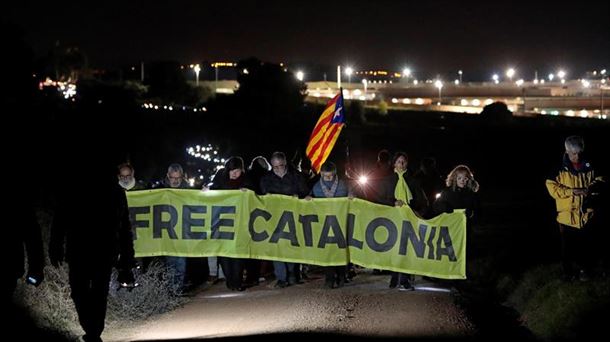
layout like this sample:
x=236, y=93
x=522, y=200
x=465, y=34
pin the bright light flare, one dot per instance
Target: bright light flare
x=362, y=180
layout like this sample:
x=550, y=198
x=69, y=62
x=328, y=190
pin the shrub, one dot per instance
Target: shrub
x=555, y=309
x=51, y=307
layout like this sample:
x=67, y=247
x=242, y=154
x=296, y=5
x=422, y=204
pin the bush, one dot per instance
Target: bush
x=554, y=309
x=156, y=294
x=50, y=304
x=51, y=307
x=497, y=112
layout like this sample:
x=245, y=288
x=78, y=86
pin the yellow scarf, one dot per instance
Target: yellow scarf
x=402, y=192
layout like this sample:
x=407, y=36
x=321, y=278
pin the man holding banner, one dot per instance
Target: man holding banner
x=325, y=232
x=281, y=180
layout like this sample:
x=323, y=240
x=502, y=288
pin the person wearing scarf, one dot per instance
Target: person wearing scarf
x=402, y=189
x=330, y=186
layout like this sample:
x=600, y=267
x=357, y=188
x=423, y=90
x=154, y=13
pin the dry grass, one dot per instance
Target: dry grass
x=52, y=308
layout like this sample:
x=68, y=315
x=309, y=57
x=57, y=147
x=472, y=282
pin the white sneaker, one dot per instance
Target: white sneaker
x=406, y=288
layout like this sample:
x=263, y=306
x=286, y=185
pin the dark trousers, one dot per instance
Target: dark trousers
x=576, y=249
x=335, y=275
x=233, y=269
x=7, y=286
x=253, y=270
x=400, y=279
x=89, y=285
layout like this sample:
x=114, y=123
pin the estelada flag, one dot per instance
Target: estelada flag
x=326, y=132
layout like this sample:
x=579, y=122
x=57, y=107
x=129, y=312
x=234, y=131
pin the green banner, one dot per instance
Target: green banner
x=322, y=231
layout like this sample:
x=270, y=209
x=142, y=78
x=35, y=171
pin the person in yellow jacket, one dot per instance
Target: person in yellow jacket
x=572, y=189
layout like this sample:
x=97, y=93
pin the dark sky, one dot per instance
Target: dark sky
x=433, y=37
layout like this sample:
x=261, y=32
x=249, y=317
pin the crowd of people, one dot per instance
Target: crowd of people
x=390, y=182
x=576, y=189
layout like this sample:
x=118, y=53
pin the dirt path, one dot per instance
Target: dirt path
x=364, y=307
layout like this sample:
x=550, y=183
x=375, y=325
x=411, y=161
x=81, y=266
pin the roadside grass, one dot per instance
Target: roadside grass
x=555, y=309
x=51, y=307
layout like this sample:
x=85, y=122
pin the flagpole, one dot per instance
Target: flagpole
x=339, y=77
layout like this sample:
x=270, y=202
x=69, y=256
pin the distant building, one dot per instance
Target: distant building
x=377, y=76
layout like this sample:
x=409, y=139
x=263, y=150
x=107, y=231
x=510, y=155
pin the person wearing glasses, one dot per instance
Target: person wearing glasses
x=127, y=179
x=175, y=179
x=281, y=180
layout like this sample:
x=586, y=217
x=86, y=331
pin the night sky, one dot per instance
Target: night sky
x=432, y=37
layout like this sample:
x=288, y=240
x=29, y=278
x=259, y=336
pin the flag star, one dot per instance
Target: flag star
x=337, y=113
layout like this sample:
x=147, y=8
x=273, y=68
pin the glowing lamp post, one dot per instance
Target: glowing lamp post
x=439, y=85
x=348, y=72
x=197, y=69
x=510, y=73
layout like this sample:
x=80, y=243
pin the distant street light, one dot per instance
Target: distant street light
x=460, y=73
x=365, y=82
x=519, y=83
x=406, y=72
x=300, y=75
x=551, y=77
x=197, y=69
x=439, y=85
x=510, y=73
x=496, y=78
x=601, y=90
x=216, y=77
x=348, y=72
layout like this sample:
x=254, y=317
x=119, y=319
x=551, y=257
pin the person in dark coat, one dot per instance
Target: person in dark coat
x=402, y=189
x=330, y=186
x=259, y=167
x=94, y=226
x=370, y=184
x=461, y=193
x=23, y=230
x=431, y=181
x=282, y=180
x=255, y=268
x=232, y=177
x=183, y=268
x=127, y=180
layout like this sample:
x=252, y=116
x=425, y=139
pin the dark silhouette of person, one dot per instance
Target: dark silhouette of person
x=94, y=226
x=21, y=230
x=255, y=268
x=431, y=182
x=232, y=177
x=373, y=188
x=24, y=232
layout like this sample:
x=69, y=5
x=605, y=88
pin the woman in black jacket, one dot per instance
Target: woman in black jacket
x=461, y=193
x=232, y=177
x=401, y=189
